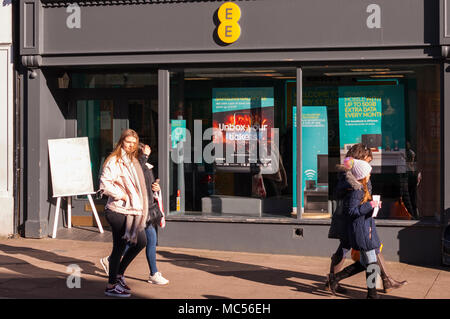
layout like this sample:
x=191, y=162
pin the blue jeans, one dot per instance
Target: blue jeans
x=368, y=257
x=150, y=250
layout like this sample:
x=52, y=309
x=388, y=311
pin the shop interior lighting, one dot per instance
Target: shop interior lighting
x=370, y=70
x=196, y=79
x=258, y=71
x=234, y=75
x=368, y=73
x=387, y=76
x=285, y=77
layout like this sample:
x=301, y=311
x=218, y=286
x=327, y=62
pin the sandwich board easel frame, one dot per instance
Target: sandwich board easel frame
x=67, y=155
x=69, y=213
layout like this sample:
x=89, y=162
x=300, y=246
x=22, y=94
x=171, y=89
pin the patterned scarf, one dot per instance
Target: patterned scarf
x=136, y=223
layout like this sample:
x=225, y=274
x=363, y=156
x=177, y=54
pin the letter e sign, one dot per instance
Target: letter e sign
x=229, y=29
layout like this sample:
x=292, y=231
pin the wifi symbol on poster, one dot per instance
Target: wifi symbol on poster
x=310, y=173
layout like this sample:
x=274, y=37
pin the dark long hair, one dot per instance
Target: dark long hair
x=359, y=151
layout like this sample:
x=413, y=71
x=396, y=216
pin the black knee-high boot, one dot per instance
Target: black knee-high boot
x=348, y=271
x=337, y=261
x=388, y=282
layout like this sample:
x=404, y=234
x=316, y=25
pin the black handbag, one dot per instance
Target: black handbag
x=154, y=215
x=338, y=227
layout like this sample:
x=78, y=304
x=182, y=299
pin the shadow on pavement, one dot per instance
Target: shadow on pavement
x=260, y=274
x=25, y=280
x=88, y=267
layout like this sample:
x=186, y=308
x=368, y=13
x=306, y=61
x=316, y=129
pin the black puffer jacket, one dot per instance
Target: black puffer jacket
x=149, y=180
x=340, y=221
x=361, y=230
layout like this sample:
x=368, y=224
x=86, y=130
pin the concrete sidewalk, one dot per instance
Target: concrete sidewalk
x=37, y=268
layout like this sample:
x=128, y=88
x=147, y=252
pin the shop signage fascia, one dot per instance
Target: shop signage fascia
x=265, y=25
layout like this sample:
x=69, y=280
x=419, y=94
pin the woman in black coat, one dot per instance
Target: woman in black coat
x=361, y=229
x=338, y=228
x=339, y=225
x=156, y=217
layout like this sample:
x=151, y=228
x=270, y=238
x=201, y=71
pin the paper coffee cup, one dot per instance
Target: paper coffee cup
x=375, y=210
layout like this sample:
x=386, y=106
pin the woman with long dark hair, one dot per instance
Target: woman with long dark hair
x=153, y=223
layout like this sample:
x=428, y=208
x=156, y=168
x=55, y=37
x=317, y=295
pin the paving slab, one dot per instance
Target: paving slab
x=41, y=268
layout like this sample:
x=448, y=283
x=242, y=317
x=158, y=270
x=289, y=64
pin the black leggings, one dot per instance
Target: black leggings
x=116, y=265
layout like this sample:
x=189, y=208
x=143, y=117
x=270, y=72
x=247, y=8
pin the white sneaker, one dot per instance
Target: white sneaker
x=158, y=279
x=105, y=264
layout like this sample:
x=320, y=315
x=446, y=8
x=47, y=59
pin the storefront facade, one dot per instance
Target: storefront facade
x=248, y=106
x=6, y=122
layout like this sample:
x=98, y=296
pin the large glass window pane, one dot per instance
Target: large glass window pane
x=395, y=111
x=94, y=120
x=231, y=142
x=113, y=80
x=106, y=113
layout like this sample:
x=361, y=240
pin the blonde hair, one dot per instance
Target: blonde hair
x=367, y=195
x=117, y=152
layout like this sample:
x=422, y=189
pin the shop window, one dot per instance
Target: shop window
x=394, y=111
x=113, y=80
x=103, y=114
x=232, y=142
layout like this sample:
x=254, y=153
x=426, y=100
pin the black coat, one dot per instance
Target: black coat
x=361, y=228
x=149, y=177
x=346, y=182
x=340, y=221
x=149, y=180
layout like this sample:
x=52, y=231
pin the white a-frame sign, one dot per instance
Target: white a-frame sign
x=70, y=166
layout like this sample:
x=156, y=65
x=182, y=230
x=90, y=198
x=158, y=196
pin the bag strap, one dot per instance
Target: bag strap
x=158, y=197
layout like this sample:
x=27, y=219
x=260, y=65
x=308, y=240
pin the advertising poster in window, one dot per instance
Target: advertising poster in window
x=374, y=115
x=325, y=96
x=177, y=131
x=314, y=151
x=243, y=118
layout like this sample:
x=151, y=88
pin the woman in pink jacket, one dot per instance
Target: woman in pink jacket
x=122, y=180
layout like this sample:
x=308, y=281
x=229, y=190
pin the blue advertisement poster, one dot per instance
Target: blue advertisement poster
x=242, y=115
x=373, y=115
x=314, y=144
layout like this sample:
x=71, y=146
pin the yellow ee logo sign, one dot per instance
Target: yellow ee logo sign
x=229, y=30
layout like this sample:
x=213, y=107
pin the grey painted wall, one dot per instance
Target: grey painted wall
x=413, y=244
x=172, y=58
x=44, y=120
x=265, y=24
